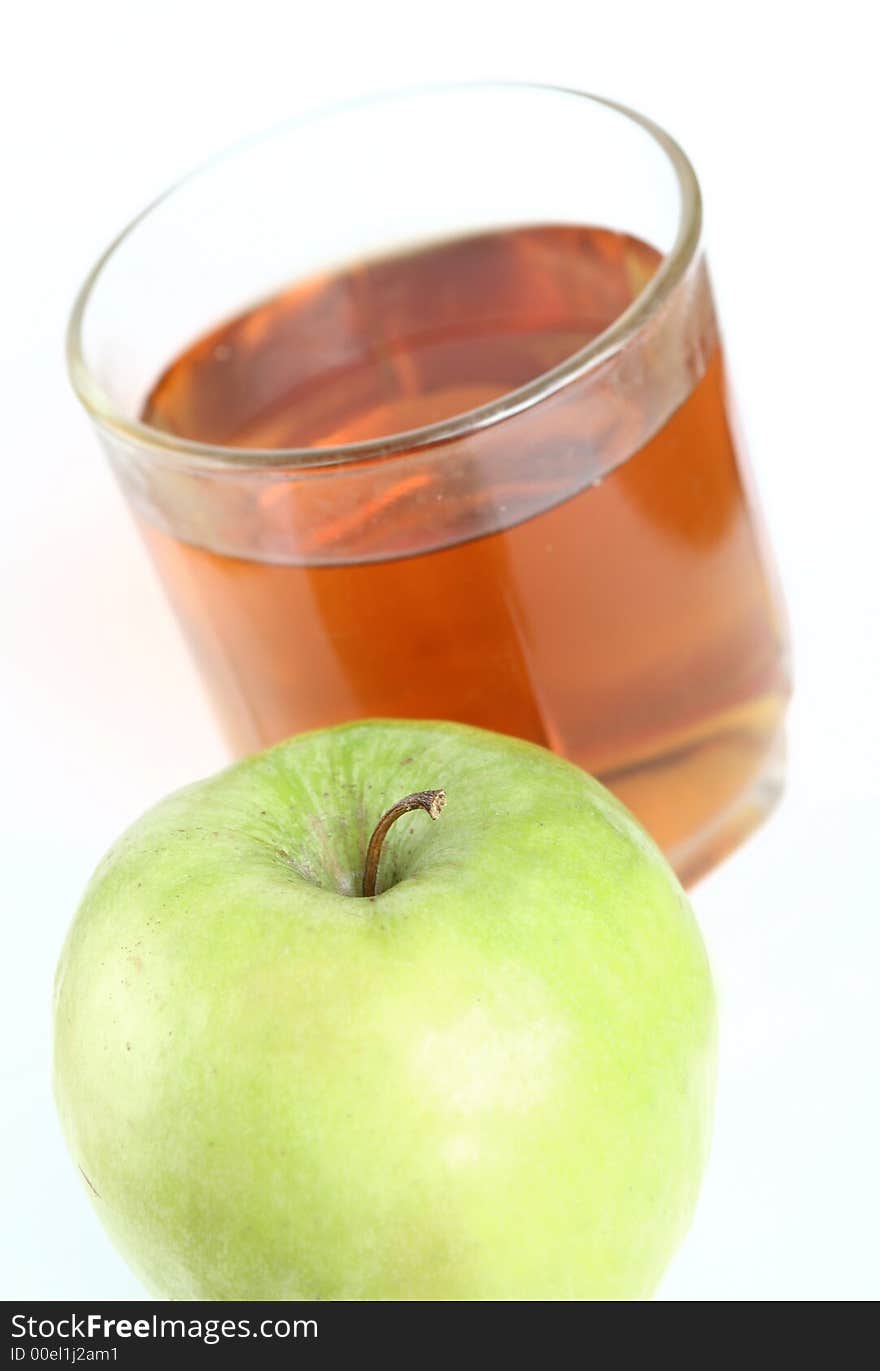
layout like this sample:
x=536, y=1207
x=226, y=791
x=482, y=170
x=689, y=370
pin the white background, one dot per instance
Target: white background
x=104, y=103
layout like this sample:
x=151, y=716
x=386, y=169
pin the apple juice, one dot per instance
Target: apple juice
x=632, y=626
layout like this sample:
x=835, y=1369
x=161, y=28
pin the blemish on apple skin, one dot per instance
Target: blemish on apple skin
x=88, y=1182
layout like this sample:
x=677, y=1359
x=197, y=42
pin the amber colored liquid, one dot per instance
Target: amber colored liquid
x=631, y=628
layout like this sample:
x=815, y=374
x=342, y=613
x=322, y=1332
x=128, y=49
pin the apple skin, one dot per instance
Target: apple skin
x=494, y=1080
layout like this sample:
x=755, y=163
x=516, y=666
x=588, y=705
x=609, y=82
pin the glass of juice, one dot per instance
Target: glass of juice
x=420, y=407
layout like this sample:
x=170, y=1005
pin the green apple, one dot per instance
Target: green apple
x=493, y=1079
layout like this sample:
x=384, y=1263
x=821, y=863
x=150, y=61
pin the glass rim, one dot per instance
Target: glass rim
x=612, y=340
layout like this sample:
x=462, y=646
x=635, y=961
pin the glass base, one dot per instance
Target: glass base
x=701, y=798
x=702, y=852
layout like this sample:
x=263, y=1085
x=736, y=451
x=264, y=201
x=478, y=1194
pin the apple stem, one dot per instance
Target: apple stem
x=431, y=801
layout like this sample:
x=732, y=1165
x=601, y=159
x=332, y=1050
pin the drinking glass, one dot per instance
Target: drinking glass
x=421, y=409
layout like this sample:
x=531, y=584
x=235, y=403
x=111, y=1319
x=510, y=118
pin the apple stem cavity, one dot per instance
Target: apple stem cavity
x=431, y=801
